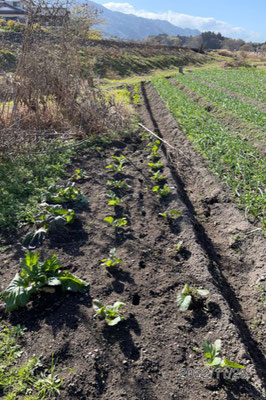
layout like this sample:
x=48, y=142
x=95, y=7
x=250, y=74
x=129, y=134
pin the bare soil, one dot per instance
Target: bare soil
x=150, y=356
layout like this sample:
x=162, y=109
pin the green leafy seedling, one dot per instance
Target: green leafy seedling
x=169, y=215
x=116, y=223
x=158, y=177
x=179, y=246
x=78, y=175
x=156, y=166
x=163, y=192
x=212, y=355
x=118, y=165
x=35, y=275
x=154, y=149
x=61, y=194
x=114, y=199
x=112, y=261
x=118, y=185
x=52, y=218
x=189, y=295
x=111, y=313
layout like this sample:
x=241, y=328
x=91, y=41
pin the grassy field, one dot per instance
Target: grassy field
x=239, y=164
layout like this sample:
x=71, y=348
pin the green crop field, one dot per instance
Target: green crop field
x=236, y=161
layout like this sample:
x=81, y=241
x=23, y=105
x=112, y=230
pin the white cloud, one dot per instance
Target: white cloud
x=203, y=24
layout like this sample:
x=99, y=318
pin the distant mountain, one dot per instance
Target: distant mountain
x=128, y=26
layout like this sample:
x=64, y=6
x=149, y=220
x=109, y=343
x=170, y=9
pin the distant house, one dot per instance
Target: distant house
x=15, y=10
x=12, y=10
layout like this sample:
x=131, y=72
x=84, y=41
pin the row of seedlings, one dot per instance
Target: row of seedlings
x=189, y=297
x=55, y=214
x=116, y=189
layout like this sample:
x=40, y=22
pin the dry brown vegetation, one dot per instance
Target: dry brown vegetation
x=48, y=90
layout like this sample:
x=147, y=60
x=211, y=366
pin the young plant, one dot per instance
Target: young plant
x=163, y=192
x=118, y=164
x=78, y=175
x=52, y=218
x=179, y=246
x=111, y=313
x=190, y=296
x=116, y=223
x=35, y=275
x=158, y=166
x=60, y=194
x=212, y=355
x=169, y=215
x=112, y=261
x=114, y=199
x=158, y=177
x=154, y=149
x=118, y=185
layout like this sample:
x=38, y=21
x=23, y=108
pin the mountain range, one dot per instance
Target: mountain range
x=128, y=26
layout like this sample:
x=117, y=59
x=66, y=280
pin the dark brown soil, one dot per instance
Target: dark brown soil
x=150, y=356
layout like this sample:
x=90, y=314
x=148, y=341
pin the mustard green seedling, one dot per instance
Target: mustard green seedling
x=118, y=164
x=111, y=313
x=188, y=296
x=112, y=261
x=169, y=215
x=212, y=355
x=163, y=192
x=116, y=223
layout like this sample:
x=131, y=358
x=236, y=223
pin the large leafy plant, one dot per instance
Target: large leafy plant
x=190, y=296
x=111, y=313
x=35, y=275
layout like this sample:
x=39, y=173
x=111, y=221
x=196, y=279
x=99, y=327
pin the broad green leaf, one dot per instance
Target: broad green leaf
x=175, y=213
x=228, y=363
x=53, y=281
x=31, y=259
x=208, y=348
x=34, y=239
x=215, y=362
x=71, y=282
x=97, y=305
x=109, y=219
x=183, y=301
x=186, y=289
x=114, y=321
x=217, y=345
x=17, y=294
x=81, y=202
x=118, y=305
x=203, y=292
x=51, y=265
x=57, y=223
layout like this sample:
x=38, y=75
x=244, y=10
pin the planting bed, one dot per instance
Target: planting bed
x=151, y=354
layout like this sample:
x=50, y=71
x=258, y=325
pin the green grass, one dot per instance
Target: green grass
x=245, y=111
x=239, y=164
x=23, y=180
x=249, y=83
x=23, y=379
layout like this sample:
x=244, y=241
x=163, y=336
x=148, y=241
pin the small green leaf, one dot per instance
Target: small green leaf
x=114, y=321
x=228, y=363
x=203, y=292
x=184, y=301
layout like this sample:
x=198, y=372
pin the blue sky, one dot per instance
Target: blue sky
x=234, y=18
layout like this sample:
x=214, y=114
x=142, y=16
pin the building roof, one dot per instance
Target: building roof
x=7, y=9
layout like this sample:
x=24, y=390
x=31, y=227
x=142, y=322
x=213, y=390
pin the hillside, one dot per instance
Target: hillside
x=127, y=26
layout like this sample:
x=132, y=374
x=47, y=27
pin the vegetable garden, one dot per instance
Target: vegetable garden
x=141, y=273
